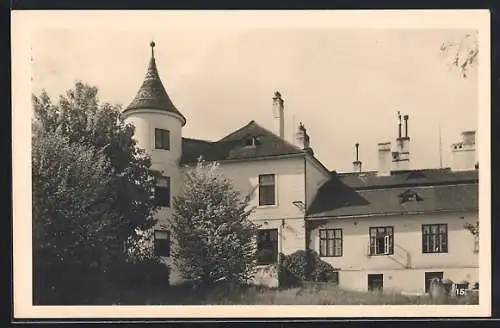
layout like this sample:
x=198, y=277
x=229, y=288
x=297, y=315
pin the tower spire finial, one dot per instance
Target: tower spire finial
x=152, y=45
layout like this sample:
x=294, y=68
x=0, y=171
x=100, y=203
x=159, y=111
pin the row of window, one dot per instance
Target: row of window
x=434, y=240
x=267, y=191
x=267, y=245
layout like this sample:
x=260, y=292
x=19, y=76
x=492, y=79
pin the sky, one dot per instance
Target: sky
x=345, y=85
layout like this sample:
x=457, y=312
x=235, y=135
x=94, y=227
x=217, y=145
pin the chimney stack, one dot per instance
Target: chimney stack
x=464, y=155
x=384, y=159
x=302, y=139
x=401, y=157
x=406, y=117
x=278, y=115
x=357, y=163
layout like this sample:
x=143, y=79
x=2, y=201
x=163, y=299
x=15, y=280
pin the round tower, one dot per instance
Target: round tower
x=158, y=130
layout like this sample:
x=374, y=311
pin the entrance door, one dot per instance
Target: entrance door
x=429, y=276
x=375, y=282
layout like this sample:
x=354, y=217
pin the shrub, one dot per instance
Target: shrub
x=324, y=272
x=304, y=265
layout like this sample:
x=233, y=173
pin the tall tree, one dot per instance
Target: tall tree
x=214, y=239
x=92, y=188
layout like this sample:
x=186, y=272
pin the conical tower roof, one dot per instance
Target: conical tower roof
x=152, y=94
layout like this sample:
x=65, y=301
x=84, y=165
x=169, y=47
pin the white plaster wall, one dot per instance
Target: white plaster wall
x=407, y=237
x=411, y=281
x=166, y=161
x=463, y=159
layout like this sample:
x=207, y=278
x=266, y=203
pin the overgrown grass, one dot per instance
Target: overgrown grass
x=310, y=294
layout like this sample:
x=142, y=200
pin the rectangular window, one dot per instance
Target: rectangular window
x=375, y=282
x=434, y=238
x=162, y=139
x=381, y=240
x=162, y=192
x=267, y=189
x=330, y=242
x=429, y=276
x=267, y=246
x=162, y=243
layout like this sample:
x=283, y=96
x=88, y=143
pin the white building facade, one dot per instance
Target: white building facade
x=301, y=204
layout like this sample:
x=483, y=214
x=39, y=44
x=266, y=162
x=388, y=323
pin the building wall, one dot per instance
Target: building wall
x=404, y=280
x=315, y=177
x=165, y=161
x=355, y=263
x=284, y=216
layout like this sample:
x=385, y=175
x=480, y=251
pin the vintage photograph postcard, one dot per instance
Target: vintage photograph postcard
x=251, y=164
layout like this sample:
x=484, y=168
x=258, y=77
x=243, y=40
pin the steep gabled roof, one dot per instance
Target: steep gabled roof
x=152, y=93
x=234, y=146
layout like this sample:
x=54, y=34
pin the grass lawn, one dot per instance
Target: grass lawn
x=310, y=294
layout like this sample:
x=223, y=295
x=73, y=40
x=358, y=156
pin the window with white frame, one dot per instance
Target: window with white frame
x=434, y=238
x=381, y=240
x=330, y=242
x=267, y=189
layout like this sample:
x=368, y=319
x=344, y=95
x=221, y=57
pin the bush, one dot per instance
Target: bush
x=304, y=265
x=324, y=272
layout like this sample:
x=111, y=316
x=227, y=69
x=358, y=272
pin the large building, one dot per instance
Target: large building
x=394, y=228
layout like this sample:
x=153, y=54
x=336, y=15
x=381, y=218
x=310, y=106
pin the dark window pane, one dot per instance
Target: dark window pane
x=162, y=139
x=267, y=247
x=162, y=192
x=161, y=243
x=266, y=195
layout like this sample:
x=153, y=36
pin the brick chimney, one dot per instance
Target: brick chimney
x=278, y=115
x=464, y=155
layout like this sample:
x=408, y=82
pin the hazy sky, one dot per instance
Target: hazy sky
x=345, y=85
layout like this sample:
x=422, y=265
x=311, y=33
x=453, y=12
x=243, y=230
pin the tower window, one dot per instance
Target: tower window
x=162, y=192
x=162, y=139
x=162, y=243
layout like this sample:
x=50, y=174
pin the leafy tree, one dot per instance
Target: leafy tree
x=92, y=191
x=464, y=52
x=213, y=238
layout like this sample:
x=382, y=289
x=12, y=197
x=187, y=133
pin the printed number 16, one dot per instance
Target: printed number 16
x=461, y=291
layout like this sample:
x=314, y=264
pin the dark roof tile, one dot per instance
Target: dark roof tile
x=336, y=199
x=152, y=94
x=233, y=147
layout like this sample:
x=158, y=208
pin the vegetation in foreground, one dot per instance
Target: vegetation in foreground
x=307, y=294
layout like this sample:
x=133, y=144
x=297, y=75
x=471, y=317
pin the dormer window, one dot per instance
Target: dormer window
x=252, y=141
x=409, y=196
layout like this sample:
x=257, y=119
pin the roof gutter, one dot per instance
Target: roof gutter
x=356, y=216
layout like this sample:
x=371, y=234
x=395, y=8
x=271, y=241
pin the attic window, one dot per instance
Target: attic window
x=252, y=141
x=410, y=196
